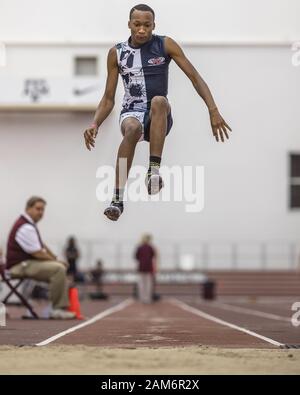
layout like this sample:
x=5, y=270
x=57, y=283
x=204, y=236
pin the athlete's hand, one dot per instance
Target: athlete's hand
x=89, y=136
x=218, y=125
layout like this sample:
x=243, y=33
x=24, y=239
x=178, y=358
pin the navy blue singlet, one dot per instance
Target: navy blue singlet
x=144, y=71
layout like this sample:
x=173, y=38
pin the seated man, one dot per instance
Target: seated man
x=28, y=257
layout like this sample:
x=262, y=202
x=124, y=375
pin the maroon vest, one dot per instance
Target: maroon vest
x=145, y=254
x=15, y=254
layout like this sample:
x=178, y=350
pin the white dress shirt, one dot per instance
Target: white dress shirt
x=27, y=237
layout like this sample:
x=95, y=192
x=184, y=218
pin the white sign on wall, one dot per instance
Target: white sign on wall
x=50, y=91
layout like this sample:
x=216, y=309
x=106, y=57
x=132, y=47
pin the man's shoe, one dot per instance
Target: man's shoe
x=60, y=314
x=114, y=211
x=154, y=182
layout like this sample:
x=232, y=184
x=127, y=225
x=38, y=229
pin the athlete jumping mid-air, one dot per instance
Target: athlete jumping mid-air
x=143, y=62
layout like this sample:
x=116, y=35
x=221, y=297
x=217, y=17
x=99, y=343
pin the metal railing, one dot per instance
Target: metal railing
x=192, y=254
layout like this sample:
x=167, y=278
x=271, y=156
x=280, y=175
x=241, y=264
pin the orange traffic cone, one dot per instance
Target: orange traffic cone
x=74, y=303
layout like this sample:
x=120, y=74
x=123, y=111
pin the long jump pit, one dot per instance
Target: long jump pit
x=174, y=335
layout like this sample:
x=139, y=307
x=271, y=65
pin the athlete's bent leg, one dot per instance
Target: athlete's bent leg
x=132, y=131
x=160, y=108
x=159, y=111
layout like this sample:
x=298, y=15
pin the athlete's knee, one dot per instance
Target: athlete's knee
x=159, y=103
x=132, y=131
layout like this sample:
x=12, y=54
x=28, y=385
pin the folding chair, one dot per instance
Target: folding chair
x=6, y=278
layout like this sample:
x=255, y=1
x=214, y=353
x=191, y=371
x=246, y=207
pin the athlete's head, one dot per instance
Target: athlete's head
x=141, y=23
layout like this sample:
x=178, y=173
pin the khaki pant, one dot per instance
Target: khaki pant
x=145, y=287
x=51, y=272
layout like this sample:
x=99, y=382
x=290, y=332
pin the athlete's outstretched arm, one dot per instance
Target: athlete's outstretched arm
x=108, y=100
x=219, y=126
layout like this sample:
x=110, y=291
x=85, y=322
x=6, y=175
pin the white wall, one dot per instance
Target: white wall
x=96, y=20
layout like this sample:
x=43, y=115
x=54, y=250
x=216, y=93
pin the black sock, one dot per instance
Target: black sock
x=154, y=163
x=118, y=195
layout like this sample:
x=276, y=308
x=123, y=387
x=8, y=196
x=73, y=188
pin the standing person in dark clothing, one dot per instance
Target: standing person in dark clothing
x=97, y=278
x=145, y=255
x=72, y=254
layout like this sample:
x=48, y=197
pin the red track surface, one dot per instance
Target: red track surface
x=164, y=324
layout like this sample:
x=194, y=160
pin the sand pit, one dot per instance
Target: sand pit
x=186, y=360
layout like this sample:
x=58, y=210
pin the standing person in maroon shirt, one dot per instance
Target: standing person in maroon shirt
x=145, y=255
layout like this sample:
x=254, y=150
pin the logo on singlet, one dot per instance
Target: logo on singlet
x=156, y=61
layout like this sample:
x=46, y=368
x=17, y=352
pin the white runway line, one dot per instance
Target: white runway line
x=209, y=317
x=96, y=318
x=244, y=310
